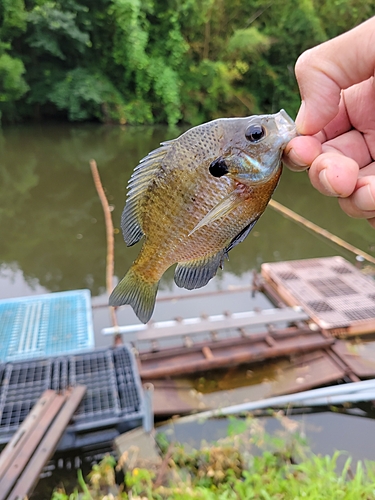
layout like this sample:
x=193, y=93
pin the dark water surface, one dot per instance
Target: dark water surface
x=53, y=233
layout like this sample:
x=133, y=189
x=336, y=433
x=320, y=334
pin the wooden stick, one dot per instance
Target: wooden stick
x=287, y=212
x=109, y=233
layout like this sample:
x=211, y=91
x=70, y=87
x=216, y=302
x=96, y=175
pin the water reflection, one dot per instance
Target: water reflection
x=52, y=222
x=326, y=433
x=49, y=207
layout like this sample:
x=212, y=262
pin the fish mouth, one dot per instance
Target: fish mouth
x=285, y=125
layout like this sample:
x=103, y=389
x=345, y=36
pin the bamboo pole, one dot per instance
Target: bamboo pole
x=109, y=235
x=287, y=212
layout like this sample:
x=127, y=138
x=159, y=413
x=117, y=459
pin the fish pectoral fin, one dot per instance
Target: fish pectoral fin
x=223, y=208
x=197, y=273
x=241, y=235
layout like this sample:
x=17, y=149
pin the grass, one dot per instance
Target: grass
x=248, y=464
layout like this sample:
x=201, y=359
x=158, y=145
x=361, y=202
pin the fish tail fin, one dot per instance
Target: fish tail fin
x=134, y=290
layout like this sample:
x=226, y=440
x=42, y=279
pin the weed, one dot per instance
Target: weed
x=248, y=464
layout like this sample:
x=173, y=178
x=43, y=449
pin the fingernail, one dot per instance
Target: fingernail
x=326, y=184
x=295, y=163
x=364, y=198
x=300, y=118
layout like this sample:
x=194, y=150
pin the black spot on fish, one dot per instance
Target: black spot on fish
x=218, y=167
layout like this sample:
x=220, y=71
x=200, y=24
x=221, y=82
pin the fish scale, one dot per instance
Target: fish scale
x=192, y=215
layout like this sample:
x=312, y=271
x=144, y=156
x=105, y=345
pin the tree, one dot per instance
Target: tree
x=12, y=83
x=159, y=61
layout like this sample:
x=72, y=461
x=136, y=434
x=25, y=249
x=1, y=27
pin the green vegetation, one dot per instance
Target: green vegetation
x=165, y=61
x=280, y=469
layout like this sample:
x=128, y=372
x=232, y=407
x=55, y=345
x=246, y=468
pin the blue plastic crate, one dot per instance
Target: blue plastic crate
x=45, y=325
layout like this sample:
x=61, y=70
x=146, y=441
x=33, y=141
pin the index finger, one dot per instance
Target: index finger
x=325, y=70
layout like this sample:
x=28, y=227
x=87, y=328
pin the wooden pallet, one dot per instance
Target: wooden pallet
x=24, y=457
x=336, y=295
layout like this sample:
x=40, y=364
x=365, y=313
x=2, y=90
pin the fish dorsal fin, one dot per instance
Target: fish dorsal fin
x=197, y=273
x=143, y=174
x=223, y=208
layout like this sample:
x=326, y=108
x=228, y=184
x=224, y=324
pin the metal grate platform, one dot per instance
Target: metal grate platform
x=45, y=325
x=113, y=396
x=335, y=294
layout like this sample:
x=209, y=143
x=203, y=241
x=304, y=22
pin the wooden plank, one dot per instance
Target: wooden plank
x=270, y=341
x=307, y=372
x=175, y=397
x=207, y=353
x=271, y=293
x=228, y=355
x=27, y=426
x=141, y=447
x=356, y=357
x=29, y=445
x=340, y=363
x=359, y=328
x=47, y=445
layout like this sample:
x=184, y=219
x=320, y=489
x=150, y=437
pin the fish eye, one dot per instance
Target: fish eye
x=255, y=132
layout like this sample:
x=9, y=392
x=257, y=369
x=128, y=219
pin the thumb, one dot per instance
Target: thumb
x=323, y=71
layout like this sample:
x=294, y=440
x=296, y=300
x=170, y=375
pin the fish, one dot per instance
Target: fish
x=195, y=198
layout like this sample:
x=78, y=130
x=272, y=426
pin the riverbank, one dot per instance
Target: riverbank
x=247, y=464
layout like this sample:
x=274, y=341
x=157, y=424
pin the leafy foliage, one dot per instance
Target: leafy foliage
x=84, y=95
x=165, y=61
x=12, y=84
x=52, y=28
x=283, y=470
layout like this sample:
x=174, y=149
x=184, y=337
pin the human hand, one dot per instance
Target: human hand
x=337, y=120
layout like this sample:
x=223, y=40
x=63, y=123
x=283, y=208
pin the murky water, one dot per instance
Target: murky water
x=52, y=225
x=53, y=235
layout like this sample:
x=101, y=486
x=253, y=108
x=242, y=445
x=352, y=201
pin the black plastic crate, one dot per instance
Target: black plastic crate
x=124, y=367
x=59, y=378
x=113, y=397
x=21, y=385
x=97, y=372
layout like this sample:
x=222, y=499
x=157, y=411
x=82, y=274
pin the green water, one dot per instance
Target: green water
x=53, y=235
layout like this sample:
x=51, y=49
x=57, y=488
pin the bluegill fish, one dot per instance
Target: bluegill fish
x=195, y=198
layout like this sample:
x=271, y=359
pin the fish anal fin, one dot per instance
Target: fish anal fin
x=197, y=273
x=137, y=292
x=242, y=235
